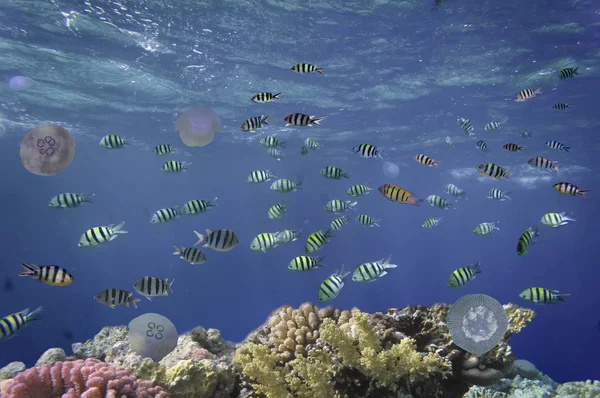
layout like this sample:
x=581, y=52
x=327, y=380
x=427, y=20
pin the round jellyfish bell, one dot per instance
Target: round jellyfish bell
x=477, y=323
x=47, y=150
x=197, y=126
x=19, y=83
x=152, y=336
x=391, y=170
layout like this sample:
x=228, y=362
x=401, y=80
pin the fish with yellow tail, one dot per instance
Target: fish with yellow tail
x=52, y=275
x=526, y=240
x=400, y=195
x=566, y=188
x=493, y=170
x=540, y=295
x=331, y=287
x=12, y=324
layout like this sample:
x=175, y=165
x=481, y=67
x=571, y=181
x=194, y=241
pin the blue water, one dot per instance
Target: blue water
x=397, y=76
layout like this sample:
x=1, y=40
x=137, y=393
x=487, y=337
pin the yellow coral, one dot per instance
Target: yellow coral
x=518, y=318
x=258, y=363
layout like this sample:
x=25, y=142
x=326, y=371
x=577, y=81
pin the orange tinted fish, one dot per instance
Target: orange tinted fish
x=397, y=194
x=426, y=160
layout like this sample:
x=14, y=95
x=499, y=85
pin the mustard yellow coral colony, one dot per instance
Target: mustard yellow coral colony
x=327, y=353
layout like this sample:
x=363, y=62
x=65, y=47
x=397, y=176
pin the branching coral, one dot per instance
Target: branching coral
x=86, y=379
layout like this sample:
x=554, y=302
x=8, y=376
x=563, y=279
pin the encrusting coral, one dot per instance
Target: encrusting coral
x=88, y=378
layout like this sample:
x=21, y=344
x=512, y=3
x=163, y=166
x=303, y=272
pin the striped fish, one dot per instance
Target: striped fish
x=432, y=222
x=543, y=163
x=275, y=153
x=397, y=194
x=367, y=151
x=567, y=73
x=284, y=186
x=113, y=141
x=164, y=149
x=333, y=173
x=358, y=190
x=486, y=228
x=426, y=160
x=493, y=170
x=337, y=206
x=12, y=324
x=163, y=216
x=173, y=166
x=367, y=221
x=482, y=146
x=557, y=145
x=265, y=97
x=369, y=272
x=305, y=263
x=221, y=240
x=540, y=295
x=439, y=202
x=52, y=275
x=276, y=211
x=526, y=134
x=464, y=275
x=526, y=240
x=258, y=176
x=338, y=223
x=264, y=241
x=272, y=142
x=113, y=297
x=331, y=287
x=311, y=144
x=499, y=194
x=555, y=220
x=70, y=200
x=510, y=147
x=151, y=286
x=455, y=191
x=491, y=126
x=254, y=123
x=288, y=235
x=466, y=125
x=197, y=206
x=302, y=120
x=303, y=150
x=190, y=254
x=566, y=188
x=317, y=240
x=98, y=235
x=561, y=106
x=307, y=68
x=527, y=94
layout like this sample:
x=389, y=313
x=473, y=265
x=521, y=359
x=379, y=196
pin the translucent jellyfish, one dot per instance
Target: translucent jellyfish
x=197, y=126
x=477, y=323
x=19, y=83
x=391, y=170
x=152, y=336
x=47, y=150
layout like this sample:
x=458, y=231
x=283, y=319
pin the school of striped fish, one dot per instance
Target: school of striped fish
x=224, y=240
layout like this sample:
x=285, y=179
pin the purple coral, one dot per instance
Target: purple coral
x=88, y=378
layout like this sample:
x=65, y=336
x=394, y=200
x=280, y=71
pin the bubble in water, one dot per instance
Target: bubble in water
x=19, y=83
x=391, y=170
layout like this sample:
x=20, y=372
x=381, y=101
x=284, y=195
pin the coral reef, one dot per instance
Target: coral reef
x=88, y=378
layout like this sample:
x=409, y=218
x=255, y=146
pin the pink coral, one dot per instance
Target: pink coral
x=88, y=378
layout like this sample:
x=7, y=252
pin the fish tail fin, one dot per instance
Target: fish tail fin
x=320, y=70
x=32, y=270
x=177, y=251
x=316, y=120
x=276, y=96
x=212, y=201
x=539, y=91
x=570, y=216
x=576, y=71
x=320, y=262
x=566, y=148
x=507, y=175
x=435, y=163
x=200, y=237
x=507, y=195
x=476, y=268
x=562, y=296
x=118, y=229
x=583, y=192
x=133, y=301
x=282, y=144
x=87, y=198
x=33, y=315
x=170, y=286
x=415, y=201
x=265, y=120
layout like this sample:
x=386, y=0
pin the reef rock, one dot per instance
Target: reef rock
x=11, y=370
x=51, y=356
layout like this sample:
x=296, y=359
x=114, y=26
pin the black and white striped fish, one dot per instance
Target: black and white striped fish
x=190, y=254
x=112, y=141
x=338, y=223
x=369, y=272
x=527, y=94
x=302, y=120
x=482, y=146
x=466, y=125
x=197, y=206
x=285, y=186
x=543, y=163
x=491, y=126
x=367, y=221
x=567, y=73
x=52, y=275
x=561, y=106
x=439, y=202
x=255, y=122
x=275, y=153
x=455, y=191
x=70, y=200
x=305, y=263
x=303, y=150
x=288, y=235
x=557, y=145
x=258, y=176
x=151, y=286
x=498, y=194
x=307, y=68
x=316, y=241
x=463, y=275
x=163, y=216
x=276, y=211
x=486, y=228
x=367, y=151
x=526, y=134
x=272, y=142
x=113, y=297
x=540, y=295
x=221, y=240
x=493, y=170
x=331, y=287
x=359, y=190
x=173, y=166
x=526, y=240
x=12, y=324
x=333, y=173
x=265, y=97
x=311, y=144
x=164, y=149
x=98, y=235
x=339, y=206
